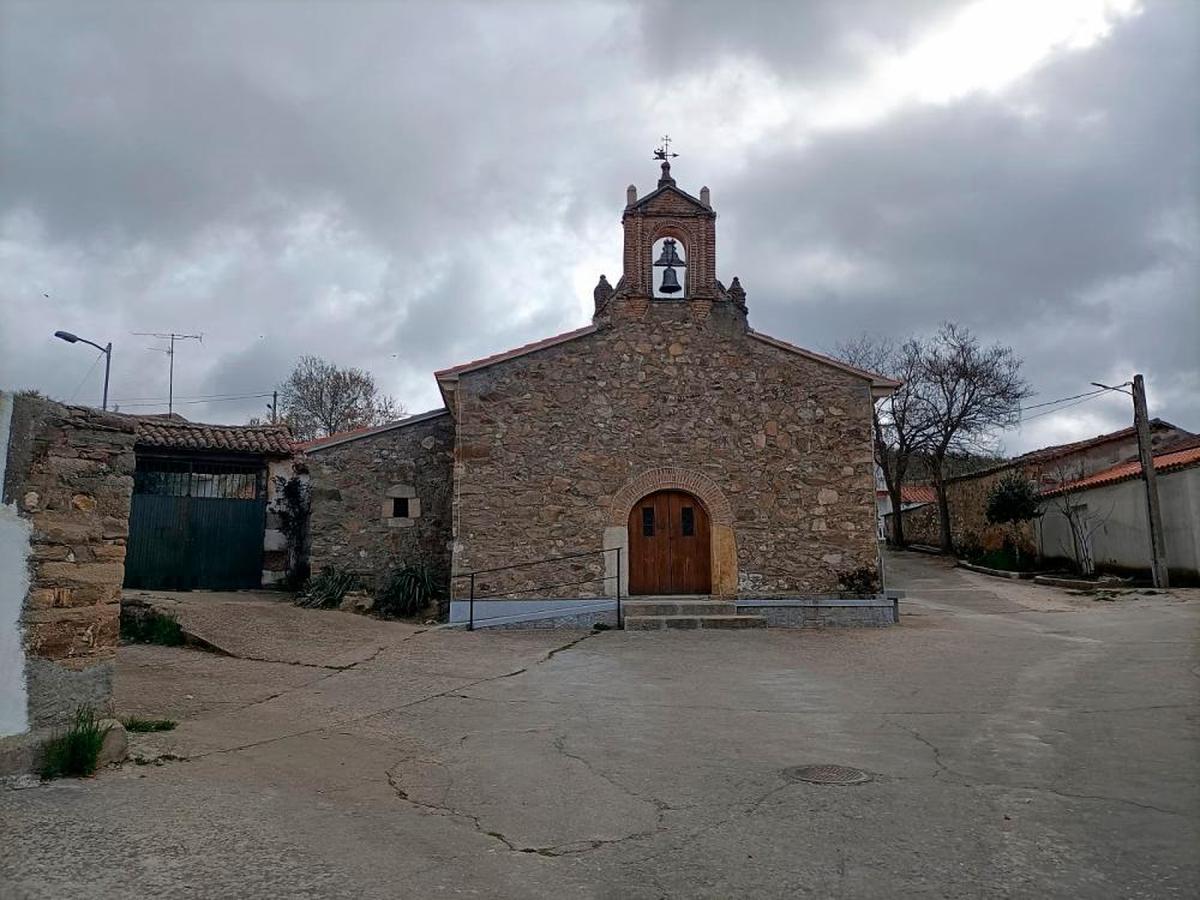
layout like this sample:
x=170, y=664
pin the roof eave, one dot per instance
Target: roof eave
x=881, y=386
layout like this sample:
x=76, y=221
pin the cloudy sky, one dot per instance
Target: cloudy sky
x=405, y=186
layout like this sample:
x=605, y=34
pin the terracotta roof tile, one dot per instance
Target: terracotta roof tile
x=516, y=351
x=877, y=380
x=178, y=434
x=1181, y=456
x=1047, y=454
x=352, y=434
x=917, y=493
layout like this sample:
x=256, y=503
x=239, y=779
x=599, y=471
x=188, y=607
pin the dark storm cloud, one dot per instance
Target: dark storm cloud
x=403, y=187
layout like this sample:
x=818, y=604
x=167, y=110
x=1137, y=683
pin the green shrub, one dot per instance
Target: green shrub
x=327, y=589
x=407, y=591
x=1004, y=559
x=149, y=626
x=75, y=752
x=970, y=548
x=1012, y=500
x=133, y=723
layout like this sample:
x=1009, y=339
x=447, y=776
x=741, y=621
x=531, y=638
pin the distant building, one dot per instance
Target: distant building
x=1100, y=522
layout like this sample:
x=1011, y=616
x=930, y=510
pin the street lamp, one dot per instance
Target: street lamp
x=107, y=351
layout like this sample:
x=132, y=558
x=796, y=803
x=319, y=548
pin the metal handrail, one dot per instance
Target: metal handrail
x=536, y=562
x=521, y=565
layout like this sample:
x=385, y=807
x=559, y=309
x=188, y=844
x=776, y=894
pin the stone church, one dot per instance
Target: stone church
x=667, y=447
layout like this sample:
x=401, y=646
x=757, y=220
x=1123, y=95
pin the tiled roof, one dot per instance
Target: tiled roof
x=1181, y=456
x=877, y=380
x=179, y=434
x=516, y=351
x=912, y=493
x=354, y=434
x=1046, y=454
x=917, y=493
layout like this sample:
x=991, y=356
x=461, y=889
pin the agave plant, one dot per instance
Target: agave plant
x=406, y=592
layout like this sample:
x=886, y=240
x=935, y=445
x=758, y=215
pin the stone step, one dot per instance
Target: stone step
x=657, y=623
x=679, y=607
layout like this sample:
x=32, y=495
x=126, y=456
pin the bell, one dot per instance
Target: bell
x=669, y=256
x=670, y=284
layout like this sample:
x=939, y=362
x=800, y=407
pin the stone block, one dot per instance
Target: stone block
x=97, y=573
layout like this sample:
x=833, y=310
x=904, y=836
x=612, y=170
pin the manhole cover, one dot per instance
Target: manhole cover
x=826, y=774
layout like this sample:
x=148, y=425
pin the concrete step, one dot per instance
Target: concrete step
x=658, y=623
x=687, y=607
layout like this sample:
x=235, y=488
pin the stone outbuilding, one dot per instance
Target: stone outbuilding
x=666, y=448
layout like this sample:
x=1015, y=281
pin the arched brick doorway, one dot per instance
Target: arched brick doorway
x=722, y=546
x=669, y=545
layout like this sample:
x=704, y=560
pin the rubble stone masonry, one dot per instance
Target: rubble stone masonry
x=69, y=476
x=353, y=485
x=777, y=443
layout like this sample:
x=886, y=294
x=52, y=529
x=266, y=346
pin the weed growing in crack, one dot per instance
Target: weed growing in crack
x=75, y=752
x=151, y=627
x=133, y=723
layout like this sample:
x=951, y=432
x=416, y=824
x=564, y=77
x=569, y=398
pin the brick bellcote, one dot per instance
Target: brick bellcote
x=668, y=211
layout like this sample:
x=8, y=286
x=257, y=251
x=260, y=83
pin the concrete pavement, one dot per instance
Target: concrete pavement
x=1022, y=742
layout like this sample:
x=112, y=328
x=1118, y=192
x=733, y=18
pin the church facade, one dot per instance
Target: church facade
x=667, y=447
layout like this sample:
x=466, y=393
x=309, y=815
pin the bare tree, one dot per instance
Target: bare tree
x=320, y=399
x=971, y=393
x=1082, y=522
x=901, y=420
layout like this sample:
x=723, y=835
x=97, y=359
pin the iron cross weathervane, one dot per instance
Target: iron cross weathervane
x=664, y=150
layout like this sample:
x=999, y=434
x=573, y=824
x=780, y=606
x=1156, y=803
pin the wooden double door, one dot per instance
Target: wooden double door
x=669, y=545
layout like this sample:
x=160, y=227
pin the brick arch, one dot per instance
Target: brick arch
x=668, y=478
x=687, y=236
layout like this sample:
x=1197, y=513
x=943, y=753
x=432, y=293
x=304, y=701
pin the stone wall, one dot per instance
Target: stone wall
x=69, y=478
x=353, y=484
x=920, y=525
x=548, y=442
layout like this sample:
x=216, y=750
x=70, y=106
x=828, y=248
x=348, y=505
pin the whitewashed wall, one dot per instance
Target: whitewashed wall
x=14, y=583
x=1122, y=537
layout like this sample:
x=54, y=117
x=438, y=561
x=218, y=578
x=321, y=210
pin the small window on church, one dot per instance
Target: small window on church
x=647, y=521
x=399, y=507
x=687, y=521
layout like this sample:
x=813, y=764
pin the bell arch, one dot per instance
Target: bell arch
x=687, y=245
x=723, y=553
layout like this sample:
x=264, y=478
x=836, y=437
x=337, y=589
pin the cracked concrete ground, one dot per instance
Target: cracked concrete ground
x=1024, y=742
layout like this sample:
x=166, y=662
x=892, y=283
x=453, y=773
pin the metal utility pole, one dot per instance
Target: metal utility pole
x=1141, y=423
x=106, y=350
x=172, y=337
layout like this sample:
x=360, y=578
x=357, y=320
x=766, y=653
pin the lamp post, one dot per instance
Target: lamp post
x=106, y=350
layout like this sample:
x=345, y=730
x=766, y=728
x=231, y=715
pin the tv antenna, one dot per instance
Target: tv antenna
x=171, y=337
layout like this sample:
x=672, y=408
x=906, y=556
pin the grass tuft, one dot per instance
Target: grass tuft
x=133, y=723
x=151, y=627
x=74, y=753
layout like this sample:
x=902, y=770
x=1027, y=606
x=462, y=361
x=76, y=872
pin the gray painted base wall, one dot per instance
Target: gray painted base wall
x=875, y=612
x=56, y=692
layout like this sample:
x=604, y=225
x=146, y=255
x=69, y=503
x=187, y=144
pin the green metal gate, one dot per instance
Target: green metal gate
x=196, y=523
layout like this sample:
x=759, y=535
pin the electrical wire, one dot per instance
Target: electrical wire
x=1050, y=412
x=1064, y=399
x=179, y=402
x=85, y=377
x=197, y=397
